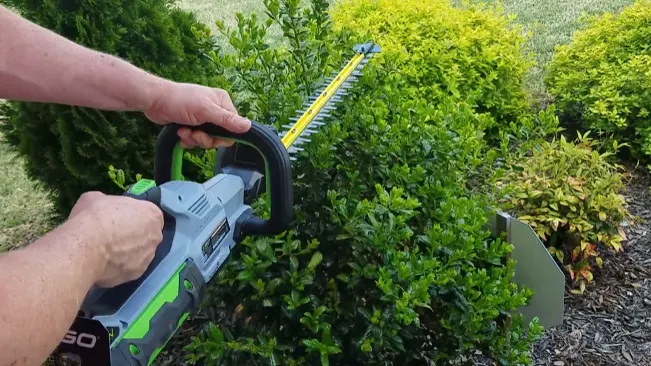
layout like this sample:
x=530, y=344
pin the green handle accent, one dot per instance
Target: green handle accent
x=141, y=187
x=278, y=172
x=147, y=336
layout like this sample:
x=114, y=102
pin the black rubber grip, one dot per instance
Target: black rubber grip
x=278, y=171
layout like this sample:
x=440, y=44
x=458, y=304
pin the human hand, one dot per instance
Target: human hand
x=192, y=105
x=130, y=229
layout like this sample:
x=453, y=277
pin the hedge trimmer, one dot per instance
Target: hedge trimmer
x=131, y=323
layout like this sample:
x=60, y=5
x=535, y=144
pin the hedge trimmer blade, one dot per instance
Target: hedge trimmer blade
x=247, y=162
x=323, y=103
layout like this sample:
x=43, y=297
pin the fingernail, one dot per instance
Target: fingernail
x=245, y=124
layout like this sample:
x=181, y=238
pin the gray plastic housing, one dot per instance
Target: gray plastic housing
x=201, y=212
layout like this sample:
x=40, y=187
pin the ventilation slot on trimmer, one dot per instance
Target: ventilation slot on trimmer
x=199, y=206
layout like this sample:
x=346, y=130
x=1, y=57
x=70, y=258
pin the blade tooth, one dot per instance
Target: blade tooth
x=288, y=126
x=335, y=98
x=310, y=131
x=293, y=119
x=292, y=158
x=302, y=140
x=294, y=149
x=317, y=123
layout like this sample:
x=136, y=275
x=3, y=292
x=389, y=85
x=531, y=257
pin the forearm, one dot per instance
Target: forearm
x=38, y=65
x=41, y=289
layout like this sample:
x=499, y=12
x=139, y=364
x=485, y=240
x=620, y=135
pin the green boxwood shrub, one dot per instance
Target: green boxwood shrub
x=388, y=260
x=69, y=148
x=396, y=272
x=602, y=79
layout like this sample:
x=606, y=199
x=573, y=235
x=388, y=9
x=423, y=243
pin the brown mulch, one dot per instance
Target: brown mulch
x=611, y=323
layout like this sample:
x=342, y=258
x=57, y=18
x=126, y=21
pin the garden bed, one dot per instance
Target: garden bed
x=611, y=323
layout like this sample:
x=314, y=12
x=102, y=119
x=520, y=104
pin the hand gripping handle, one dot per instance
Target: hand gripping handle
x=278, y=171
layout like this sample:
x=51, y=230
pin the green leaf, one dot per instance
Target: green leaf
x=324, y=359
x=316, y=259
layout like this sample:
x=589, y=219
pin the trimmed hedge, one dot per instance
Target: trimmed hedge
x=388, y=261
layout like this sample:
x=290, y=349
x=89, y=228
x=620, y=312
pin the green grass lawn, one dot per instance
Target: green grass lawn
x=208, y=11
x=552, y=22
x=25, y=208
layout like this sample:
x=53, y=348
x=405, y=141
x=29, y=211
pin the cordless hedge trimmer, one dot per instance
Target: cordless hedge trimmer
x=131, y=323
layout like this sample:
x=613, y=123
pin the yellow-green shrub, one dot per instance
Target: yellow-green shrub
x=570, y=194
x=471, y=53
x=603, y=77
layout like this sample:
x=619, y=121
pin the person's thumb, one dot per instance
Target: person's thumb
x=227, y=119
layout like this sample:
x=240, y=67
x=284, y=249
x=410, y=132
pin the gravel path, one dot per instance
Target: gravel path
x=611, y=323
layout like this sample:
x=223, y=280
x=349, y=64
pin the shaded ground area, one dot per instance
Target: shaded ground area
x=611, y=323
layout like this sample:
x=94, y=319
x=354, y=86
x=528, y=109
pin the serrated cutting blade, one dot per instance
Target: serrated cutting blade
x=321, y=104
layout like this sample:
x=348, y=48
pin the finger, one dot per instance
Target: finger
x=222, y=143
x=227, y=119
x=188, y=140
x=188, y=143
x=202, y=139
x=225, y=101
x=185, y=135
